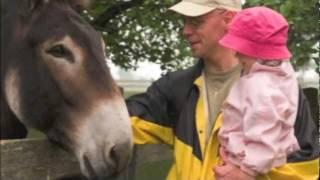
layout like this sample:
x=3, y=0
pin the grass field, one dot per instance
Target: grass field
x=154, y=171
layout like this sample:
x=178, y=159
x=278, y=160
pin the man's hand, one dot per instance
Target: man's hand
x=228, y=171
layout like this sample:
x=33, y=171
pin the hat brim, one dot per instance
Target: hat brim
x=191, y=9
x=254, y=49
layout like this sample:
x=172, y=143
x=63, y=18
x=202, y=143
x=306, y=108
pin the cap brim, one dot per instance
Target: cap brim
x=191, y=9
x=254, y=49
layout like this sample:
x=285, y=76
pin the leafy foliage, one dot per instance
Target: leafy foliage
x=143, y=30
x=303, y=19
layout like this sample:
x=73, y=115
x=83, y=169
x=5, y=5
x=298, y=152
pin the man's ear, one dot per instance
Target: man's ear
x=27, y=7
x=228, y=16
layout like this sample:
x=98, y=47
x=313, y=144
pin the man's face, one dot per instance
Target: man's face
x=204, y=32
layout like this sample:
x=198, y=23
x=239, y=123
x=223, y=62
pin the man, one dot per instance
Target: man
x=182, y=108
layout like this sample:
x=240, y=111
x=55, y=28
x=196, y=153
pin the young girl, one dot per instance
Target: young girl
x=259, y=113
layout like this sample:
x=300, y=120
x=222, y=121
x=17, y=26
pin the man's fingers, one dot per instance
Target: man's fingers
x=217, y=176
x=223, y=155
x=222, y=170
x=218, y=171
x=230, y=172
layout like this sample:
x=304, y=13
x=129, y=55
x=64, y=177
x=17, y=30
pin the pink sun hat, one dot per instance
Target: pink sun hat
x=259, y=32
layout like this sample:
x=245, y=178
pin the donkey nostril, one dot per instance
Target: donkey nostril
x=89, y=168
x=113, y=155
x=119, y=155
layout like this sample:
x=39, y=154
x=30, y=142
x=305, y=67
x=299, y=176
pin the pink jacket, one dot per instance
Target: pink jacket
x=259, y=114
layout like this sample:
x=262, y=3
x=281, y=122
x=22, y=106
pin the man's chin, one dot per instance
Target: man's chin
x=196, y=54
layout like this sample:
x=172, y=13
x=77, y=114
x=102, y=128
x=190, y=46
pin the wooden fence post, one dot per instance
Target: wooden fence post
x=38, y=159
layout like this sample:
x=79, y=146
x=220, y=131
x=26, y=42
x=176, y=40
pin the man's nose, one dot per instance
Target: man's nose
x=187, y=30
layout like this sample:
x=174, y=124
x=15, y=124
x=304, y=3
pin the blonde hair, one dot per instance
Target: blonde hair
x=271, y=62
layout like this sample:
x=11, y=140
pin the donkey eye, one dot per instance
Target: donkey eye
x=59, y=51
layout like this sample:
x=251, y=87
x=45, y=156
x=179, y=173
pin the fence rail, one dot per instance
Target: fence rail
x=38, y=159
x=134, y=85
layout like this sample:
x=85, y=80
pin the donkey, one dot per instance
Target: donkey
x=54, y=78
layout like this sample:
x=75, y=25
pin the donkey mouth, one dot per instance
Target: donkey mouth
x=107, y=164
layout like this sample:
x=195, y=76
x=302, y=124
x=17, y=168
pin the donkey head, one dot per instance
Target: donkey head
x=56, y=80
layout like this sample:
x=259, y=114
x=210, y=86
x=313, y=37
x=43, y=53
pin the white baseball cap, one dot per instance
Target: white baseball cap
x=195, y=8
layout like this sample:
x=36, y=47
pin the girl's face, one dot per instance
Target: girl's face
x=246, y=62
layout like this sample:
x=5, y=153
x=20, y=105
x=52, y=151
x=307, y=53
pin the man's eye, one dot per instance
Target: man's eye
x=195, y=22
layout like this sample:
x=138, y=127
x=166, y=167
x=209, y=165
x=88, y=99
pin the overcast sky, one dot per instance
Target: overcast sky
x=146, y=71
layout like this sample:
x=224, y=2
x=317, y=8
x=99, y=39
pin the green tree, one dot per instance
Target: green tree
x=303, y=19
x=143, y=30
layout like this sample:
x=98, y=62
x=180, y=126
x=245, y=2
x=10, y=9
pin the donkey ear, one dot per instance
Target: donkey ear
x=27, y=7
x=80, y=5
